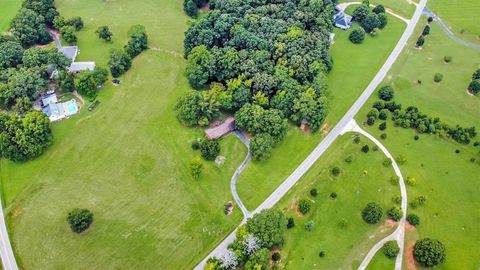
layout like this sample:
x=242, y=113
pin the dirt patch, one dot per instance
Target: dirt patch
x=17, y=212
x=470, y=93
x=293, y=206
x=409, y=227
x=325, y=128
x=305, y=127
x=409, y=255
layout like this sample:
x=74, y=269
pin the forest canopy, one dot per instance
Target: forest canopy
x=270, y=53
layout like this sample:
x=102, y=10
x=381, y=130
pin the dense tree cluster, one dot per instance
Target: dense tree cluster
x=425, y=33
x=411, y=117
x=80, y=219
x=429, y=252
x=24, y=137
x=370, y=20
x=29, y=27
x=254, y=240
x=474, y=86
x=272, y=54
x=121, y=59
x=87, y=82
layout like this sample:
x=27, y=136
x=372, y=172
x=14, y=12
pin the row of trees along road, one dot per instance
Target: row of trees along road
x=271, y=58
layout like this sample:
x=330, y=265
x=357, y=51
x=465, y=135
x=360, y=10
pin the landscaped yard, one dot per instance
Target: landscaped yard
x=363, y=180
x=447, y=179
x=354, y=67
x=381, y=262
x=127, y=161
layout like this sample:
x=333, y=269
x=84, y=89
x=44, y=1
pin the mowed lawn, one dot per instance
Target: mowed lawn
x=402, y=7
x=8, y=10
x=449, y=180
x=381, y=262
x=354, y=67
x=363, y=180
x=460, y=15
x=127, y=161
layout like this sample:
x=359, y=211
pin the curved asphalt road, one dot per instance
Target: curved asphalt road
x=447, y=30
x=399, y=233
x=332, y=135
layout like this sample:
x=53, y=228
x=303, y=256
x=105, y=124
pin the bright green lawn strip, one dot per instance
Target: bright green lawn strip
x=447, y=99
x=354, y=67
x=362, y=181
x=381, y=262
x=8, y=10
x=400, y=7
x=127, y=161
x=460, y=15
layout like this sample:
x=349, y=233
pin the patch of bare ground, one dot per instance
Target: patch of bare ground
x=409, y=255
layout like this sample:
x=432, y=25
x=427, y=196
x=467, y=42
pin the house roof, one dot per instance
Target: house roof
x=49, y=99
x=54, y=110
x=81, y=66
x=70, y=52
x=222, y=129
x=341, y=19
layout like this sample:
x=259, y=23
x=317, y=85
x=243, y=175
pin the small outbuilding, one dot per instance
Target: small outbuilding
x=341, y=19
x=221, y=130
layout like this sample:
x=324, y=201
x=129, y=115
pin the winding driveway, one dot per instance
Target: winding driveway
x=343, y=6
x=233, y=181
x=399, y=234
x=332, y=135
x=447, y=30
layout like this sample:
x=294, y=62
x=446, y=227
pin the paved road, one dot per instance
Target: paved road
x=399, y=233
x=233, y=181
x=6, y=252
x=332, y=135
x=447, y=30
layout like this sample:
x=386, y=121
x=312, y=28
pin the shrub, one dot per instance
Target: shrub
x=391, y=249
x=383, y=136
x=76, y=23
x=438, y=77
x=383, y=126
x=387, y=162
x=196, y=167
x=195, y=144
x=378, y=9
x=79, y=219
x=68, y=34
x=386, y=93
x=429, y=252
x=379, y=105
x=375, y=148
x=356, y=139
x=290, y=223
x=336, y=171
x=476, y=75
x=333, y=195
x=276, y=256
x=397, y=199
x=343, y=223
x=321, y=254
x=410, y=181
x=394, y=180
x=349, y=159
x=210, y=149
x=457, y=151
x=395, y=213
x=447, y=59
x=190, y=8
x=426, y=30
x=420, y=41
x=357, y=36
x=372, y=213
x=373, y=113
x=304, y=206
x=413, y=219
x=309, y=226
x=474, y=87
x=371, y=120
x=383, y=115
x=314, y=192
x=416, y=137
x=382, y=20
x=430, y=19
x=365, y=148
x=104, y=33
x=401, y=159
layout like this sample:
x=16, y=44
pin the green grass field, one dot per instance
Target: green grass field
x=400, y=7
x=363, y=180
x=449, y=180
x=381, y=262
x=8, y=9
x=354, y=67
x=127, y=161
x=460, y=16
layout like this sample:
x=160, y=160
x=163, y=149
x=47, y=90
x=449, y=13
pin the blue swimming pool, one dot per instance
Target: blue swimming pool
x=71, y=107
